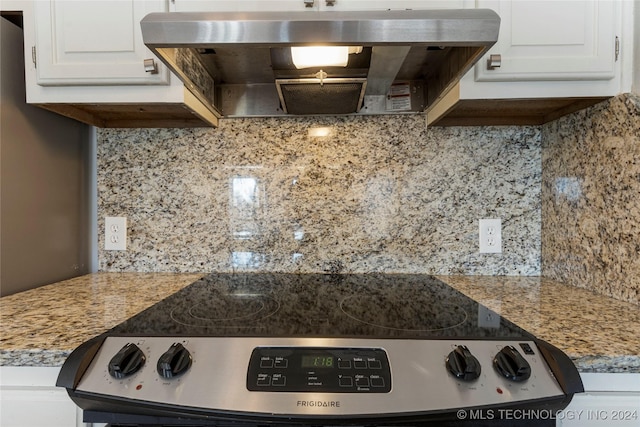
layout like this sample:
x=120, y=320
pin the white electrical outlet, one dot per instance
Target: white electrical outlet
x=115, y=233
x=490, y=236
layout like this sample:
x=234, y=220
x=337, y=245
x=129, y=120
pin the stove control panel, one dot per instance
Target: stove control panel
x=319, y=369
x=317, y=376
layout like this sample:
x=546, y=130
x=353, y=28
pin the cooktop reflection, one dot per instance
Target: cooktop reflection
x=320, y=305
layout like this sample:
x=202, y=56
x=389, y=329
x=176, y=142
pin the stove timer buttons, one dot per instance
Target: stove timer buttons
x=174, y=362
x=462, y=364
x=126, y=362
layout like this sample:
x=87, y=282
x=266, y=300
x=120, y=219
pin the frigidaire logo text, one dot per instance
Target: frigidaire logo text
x=319, y=403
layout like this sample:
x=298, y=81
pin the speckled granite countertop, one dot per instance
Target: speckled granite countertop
x=42, y=326
x=599, y=333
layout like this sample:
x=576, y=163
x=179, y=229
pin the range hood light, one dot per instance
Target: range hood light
x=322, y=56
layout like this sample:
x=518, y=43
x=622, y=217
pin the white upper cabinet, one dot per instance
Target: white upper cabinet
x=85, y=60
x=310, y=5
x=552, y=40
x=568, y=53
x=389, y=4
x=94, y=42
x=89, y=59
x=242, y=5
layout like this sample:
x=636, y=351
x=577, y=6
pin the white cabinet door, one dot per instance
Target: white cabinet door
x=29, y=397
x=243, y=5
x=608, y=400
x=94, y=42
x=552, y=40
x=311, y=5
x=601, y=410
x=389, y=4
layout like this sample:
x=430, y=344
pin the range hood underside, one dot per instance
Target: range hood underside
x=411, y=59
x=231, y=96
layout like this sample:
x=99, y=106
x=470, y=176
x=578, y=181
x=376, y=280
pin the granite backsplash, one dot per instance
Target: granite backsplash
x=370, y=194
x=327, y=194
x=591, y=198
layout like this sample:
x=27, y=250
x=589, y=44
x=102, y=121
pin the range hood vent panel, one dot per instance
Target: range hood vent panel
x=228, y=51
x=333, y=96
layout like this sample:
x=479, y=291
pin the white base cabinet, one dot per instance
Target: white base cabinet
x=608, y=400
x=29, y=397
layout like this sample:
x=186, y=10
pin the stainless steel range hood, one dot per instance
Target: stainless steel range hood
x=240, y=65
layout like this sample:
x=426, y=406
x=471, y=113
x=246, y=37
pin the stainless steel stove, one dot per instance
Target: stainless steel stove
x=315, y=350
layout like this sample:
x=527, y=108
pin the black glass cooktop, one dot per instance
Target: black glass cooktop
x=319, y=305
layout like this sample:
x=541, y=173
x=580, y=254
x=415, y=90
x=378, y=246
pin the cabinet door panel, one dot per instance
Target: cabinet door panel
x=292, y=5
x=390, y=4
x=32, y=406
x=94, y=42
x=552, y=40
x=601, y=410
x=241, y=5
x=29, y=398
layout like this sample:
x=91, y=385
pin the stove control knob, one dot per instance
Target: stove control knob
x=126, y=362
x=462, y=364
x=174, y=362
x=510, y=364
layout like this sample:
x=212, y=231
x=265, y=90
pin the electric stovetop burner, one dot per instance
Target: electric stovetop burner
x=415, y=312
x=314, y=349
x=224, y=310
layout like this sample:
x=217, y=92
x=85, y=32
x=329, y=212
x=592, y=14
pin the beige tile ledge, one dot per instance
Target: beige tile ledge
x=41, y=327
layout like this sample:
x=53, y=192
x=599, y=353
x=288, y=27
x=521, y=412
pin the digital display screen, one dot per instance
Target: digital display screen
x=317, y=361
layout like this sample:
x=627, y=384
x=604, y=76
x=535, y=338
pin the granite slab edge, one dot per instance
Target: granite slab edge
x=33, y=358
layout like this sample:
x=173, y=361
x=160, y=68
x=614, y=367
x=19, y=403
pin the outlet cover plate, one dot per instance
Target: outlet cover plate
x=115, y=233
x=490, y=236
